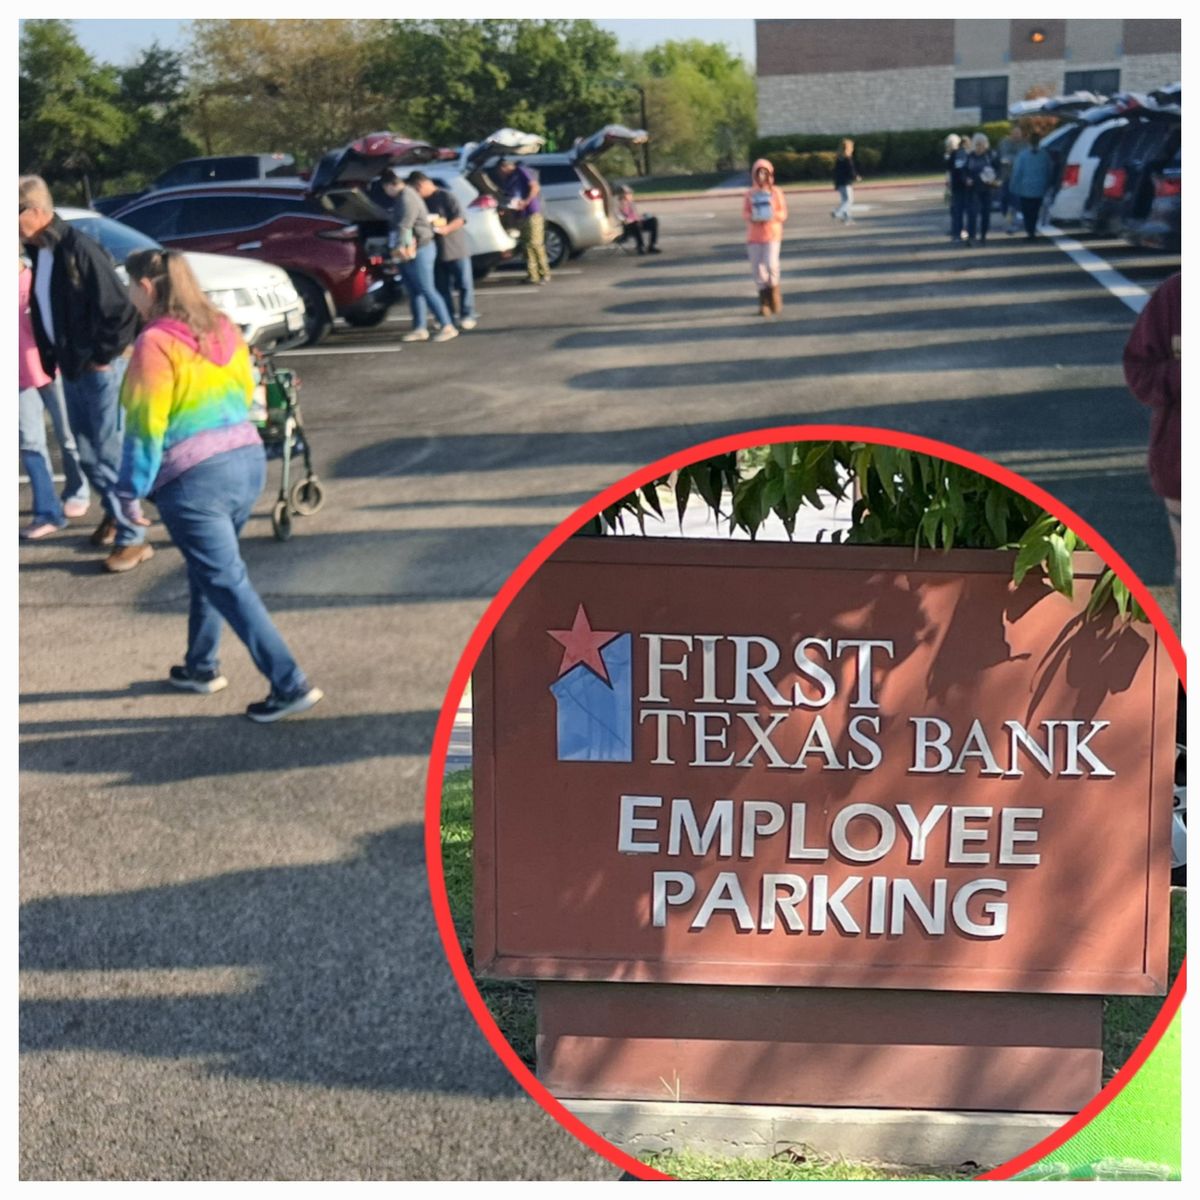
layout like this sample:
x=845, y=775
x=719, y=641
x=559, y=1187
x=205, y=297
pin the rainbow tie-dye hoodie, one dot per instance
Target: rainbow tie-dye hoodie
x=184, y=401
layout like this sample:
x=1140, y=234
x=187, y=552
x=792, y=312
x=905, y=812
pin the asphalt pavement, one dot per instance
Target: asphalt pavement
x=229, y=969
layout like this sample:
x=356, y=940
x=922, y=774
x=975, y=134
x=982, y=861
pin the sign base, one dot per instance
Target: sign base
x=828, y=1047
x=895, y=1137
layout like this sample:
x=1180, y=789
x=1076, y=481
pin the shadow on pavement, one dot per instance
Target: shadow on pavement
x=336, y=979
x=168, y=749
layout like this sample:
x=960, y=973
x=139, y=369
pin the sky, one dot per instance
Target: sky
x=118, y=41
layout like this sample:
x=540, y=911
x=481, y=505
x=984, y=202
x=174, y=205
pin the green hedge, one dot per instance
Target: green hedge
x=886, y=153
x=791, y=165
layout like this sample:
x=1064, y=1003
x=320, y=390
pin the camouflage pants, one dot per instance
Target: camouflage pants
x=533, y=243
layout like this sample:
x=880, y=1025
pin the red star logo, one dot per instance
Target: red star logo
x=581, y=644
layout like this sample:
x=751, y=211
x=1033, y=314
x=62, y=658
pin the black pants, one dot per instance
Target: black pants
x=634, y=229
x=1030, y=210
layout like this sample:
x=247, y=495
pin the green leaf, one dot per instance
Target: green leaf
x=650, y=491
x=683, y=490
x=1101, y=593
x=782, y=452
x=1031, y=550
x=1061, y=568
x=995, y=511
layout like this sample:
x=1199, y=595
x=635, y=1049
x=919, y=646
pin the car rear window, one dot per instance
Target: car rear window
x=550, y=173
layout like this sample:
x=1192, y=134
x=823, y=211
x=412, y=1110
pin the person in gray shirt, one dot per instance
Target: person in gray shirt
x=453, y=273
x=413, y=246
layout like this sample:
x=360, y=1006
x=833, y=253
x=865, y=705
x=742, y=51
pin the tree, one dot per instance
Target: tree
x=153, y=93
x=455, y=81
x=901, y=498
x=69, y=109
x=701, y=104
x=287, y=85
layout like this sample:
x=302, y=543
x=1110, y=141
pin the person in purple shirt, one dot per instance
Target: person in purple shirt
x=521, y=192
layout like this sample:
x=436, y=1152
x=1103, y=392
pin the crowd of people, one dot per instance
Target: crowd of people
x=149, y=388
x=1018, y=173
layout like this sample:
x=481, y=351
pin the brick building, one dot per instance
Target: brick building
x=869, y=75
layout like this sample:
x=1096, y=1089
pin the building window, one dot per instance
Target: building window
x=1103, y=83
x=988, y=94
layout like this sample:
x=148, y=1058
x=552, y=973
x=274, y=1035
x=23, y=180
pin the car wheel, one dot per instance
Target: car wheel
x=367, y=318
x=317, y=321
x=558, y=246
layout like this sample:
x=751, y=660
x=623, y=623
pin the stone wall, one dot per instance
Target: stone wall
x=855, y=101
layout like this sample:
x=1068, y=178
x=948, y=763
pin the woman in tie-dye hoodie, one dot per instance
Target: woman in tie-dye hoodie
x=191, y=447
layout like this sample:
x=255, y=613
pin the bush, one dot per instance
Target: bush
x=889, y=152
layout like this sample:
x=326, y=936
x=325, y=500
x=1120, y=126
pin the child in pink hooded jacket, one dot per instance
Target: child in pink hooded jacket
x=765, y=211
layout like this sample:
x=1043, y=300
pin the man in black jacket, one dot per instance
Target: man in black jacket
x=84, y=323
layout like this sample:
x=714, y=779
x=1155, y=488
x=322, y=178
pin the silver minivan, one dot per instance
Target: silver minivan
x=579, y=206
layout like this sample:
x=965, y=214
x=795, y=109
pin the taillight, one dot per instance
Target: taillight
x=1114, y=184
x=482, y=201
x=343, y=233
x=1071, y=175
x=1166, y=187
x=593, y=193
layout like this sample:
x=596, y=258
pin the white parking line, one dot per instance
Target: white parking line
x=385, y=349
x=1131, y=294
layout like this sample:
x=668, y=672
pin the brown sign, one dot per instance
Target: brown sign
x=729, y=763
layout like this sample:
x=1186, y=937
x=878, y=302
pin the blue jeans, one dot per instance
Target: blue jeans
x=94, y=411
x=35, y=457
x=456, y=276
x=417, y=274
x=50, y=397
x=846, y=191
x=958, y=212
x=204, y=510
x=979, y=212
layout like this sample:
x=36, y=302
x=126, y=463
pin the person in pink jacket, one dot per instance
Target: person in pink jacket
x=37, y=394
x=765, y=211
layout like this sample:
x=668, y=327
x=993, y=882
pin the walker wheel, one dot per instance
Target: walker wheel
x=306, y=496
x=281, y=520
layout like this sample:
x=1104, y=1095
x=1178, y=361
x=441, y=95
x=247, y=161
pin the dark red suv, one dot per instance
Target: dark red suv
x=324, y=232
x=280, y=222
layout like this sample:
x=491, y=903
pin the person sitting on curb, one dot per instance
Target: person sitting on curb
x=636, y=225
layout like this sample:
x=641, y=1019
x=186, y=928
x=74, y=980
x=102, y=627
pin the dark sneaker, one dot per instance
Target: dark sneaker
x=105, y=534
x=204, y=682
x=275, y=708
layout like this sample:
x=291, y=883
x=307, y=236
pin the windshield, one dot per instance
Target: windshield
x=119, y=240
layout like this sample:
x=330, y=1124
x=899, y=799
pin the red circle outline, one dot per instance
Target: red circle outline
x=552, y=541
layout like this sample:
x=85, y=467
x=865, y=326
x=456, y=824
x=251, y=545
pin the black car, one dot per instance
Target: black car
x=1123, y=189
x=215, y=168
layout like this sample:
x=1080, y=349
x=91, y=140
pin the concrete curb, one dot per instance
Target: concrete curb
x=904, y=1137
x=816, y=189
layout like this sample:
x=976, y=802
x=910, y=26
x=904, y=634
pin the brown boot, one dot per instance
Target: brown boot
x=105, y=533
x=764, y=302
x=776, y=299
x=125, y=558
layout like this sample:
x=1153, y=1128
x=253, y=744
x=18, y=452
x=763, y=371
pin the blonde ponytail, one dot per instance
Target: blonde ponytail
x=177, y=291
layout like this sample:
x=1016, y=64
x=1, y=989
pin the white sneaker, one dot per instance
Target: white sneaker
x=416, y=335
x=468, y=323
x=445, y=334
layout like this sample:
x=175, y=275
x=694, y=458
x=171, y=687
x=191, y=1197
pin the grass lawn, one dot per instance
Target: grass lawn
x=1126, y=1018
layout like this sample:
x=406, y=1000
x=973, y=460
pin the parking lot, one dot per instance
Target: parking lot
x=229, y=966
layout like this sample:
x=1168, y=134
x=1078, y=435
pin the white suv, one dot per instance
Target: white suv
x=578, y=203
x=257, y=297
